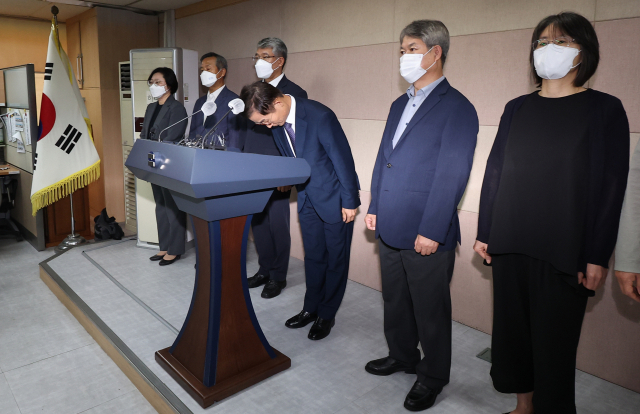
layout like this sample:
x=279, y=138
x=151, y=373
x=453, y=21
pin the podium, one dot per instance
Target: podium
x=221, y=348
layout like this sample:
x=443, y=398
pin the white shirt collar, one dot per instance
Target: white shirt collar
x=213, y=96
x=277, y=80
x=291, y=119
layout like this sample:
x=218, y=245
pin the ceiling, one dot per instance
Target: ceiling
x=40, y=9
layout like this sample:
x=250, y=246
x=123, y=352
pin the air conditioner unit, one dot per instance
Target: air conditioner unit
x=126, y=126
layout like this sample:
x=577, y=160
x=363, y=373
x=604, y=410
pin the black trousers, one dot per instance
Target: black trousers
x=272, y=237
x=171, y=222
x=327, y=248
x=537, y=318
x=417, y=308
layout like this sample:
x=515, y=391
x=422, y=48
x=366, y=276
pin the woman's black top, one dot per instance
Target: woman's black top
x=153, y=121
x=555, y=180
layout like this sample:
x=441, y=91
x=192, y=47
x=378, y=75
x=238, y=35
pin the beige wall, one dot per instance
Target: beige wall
x=345, y=54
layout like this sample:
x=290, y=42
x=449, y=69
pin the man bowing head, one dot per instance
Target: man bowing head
x=327, y=202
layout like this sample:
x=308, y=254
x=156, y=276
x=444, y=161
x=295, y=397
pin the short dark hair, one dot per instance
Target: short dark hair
x=259, y=96
x=221, y=62
x=580, y=29
x=169, y=77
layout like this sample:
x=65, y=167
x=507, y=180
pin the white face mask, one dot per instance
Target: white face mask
x=411, y=68
x=264, y=69
x=553, y=61
x=157, y=91
x=208, y=79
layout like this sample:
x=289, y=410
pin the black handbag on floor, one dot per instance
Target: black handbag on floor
x=106, y=227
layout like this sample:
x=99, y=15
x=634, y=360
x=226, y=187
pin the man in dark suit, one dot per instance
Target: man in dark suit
x=213, y=72
x=327, y=202
x=271, y=227
x=420, y=174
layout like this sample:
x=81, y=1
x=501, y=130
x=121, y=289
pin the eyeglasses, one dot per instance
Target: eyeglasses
x=256, y=58
x=158, y=82
x=559, y=41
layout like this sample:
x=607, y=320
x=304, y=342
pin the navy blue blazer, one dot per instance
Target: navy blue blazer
x=231, y=126
x=259, y=139
x=333, y=183
x=416, y=186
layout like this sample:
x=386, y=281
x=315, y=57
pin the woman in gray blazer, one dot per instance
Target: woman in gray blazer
x=166, y=111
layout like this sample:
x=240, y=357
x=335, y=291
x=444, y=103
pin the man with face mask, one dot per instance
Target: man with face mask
x=421, y=171
x=213, y=72
x=271, y=227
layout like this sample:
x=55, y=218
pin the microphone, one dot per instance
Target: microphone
x=236, y=106
x=208, y=108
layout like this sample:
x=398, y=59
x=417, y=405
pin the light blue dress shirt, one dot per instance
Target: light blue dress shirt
x=415, y=100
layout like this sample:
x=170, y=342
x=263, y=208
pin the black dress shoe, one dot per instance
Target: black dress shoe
x=321, y=329
x=164, y=262
x=273, y=288
x=257, y=280
x=302, y=319
x=387, y=366
x=156, y=257
x=420, y=397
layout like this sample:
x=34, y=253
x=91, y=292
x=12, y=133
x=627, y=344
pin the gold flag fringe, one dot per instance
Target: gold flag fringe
x=63, y=188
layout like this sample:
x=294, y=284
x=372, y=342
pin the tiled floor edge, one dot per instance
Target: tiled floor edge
x=149, y=385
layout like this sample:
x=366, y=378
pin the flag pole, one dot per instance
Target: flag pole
x=73, y=239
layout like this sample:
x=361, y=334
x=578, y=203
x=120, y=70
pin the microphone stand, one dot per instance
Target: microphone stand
x=183, y=119
x=204, y=139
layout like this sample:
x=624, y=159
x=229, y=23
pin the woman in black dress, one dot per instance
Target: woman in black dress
x=549, y=211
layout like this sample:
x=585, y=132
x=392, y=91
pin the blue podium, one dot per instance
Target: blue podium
x=221, y=348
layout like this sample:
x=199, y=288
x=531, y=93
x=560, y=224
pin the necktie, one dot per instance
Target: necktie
x=289, y=128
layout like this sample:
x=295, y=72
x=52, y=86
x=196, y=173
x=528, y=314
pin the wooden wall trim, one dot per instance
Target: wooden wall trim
x=84, y=15
x=203, y=6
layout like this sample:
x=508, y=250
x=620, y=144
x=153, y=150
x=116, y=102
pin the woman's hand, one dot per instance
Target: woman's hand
x=481, y=249
x=595, y=277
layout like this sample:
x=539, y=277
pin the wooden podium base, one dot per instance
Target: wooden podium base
x=221, y=348
x=206, y=396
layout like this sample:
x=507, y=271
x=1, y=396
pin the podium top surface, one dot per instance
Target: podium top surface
x=202, y=173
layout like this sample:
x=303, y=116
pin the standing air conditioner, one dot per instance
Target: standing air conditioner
x=142, y=61
x=126, y=129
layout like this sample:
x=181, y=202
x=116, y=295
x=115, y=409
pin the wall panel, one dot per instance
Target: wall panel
x=347, y=80
x=617, y=9
x=364, y=138
x=619, y=69
x=464, y=17
x=329, y=24
x=490, y=70
x=471, y=198
x=231, y=31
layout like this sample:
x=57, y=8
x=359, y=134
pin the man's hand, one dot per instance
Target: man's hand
x=596, y=275
x=625, y=280
x=481, y=249
x=370, y=221
x=348, y=215
x=285, y=188
x=425, y=246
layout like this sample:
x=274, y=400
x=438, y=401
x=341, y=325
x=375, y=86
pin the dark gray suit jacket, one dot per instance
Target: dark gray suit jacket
x=172, y=111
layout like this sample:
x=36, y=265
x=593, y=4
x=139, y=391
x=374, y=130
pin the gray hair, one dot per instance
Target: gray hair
x=278, y=46
x=431, y=32
x=221, y=62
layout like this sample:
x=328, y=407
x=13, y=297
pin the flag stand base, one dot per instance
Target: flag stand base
x=70, y=242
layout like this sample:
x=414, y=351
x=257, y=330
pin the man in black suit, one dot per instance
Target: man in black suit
x=271, y=227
